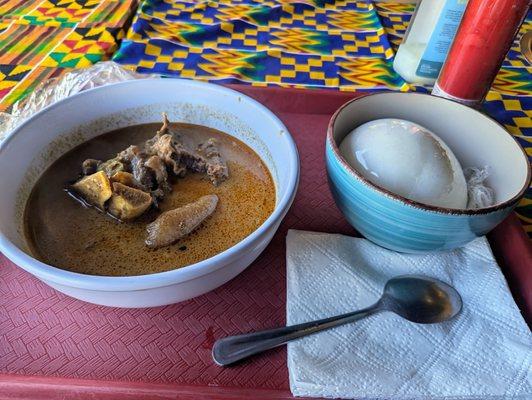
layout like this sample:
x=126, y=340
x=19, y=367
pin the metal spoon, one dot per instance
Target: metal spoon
x=416, y=298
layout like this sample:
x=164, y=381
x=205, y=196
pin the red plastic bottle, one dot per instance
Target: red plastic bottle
x=484, y=37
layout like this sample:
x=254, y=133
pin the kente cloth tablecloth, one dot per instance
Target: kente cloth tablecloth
x=339, y=44
x=40, y=39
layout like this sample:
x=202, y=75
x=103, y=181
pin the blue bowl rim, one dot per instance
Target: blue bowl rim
x=412, y=203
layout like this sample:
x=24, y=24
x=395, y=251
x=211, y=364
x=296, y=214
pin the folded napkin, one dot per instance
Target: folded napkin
x=484, y=353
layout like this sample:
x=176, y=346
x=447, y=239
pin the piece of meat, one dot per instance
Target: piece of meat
x=175, y=224
x=179, y=158
x=146, y=167
x=149, y=172
x=112, y=166
x=125, y=178
x=216, y=165
x=163, y=147
x=90, y=166
x=164, y=128
x=128, y=203
x=127, y=155
x=158, y=168
x=192, y=161
x=142, y=174
x=157, y=195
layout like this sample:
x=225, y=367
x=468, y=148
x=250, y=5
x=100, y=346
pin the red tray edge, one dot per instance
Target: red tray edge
x=506, y=239
x=22, y=387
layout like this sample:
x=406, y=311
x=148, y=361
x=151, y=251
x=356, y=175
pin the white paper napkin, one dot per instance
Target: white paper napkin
x=484, y=353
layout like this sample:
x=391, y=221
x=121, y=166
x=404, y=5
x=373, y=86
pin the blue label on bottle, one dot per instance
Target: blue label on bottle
x=441, y=38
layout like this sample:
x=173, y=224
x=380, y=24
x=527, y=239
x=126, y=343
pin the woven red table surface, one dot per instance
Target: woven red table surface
x=47, y=334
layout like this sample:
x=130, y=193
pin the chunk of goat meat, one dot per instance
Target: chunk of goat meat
x=157, y=195
x=166, y=124
x=128, y=154
x=159, y=170
x=216, y=165
x=192, y=161
x=142, y=174
x=125, y=178
x=175, y=224
x=90, y=166
x=181, y=159
x=172, y=153
x=162, y=146
x=112, y=166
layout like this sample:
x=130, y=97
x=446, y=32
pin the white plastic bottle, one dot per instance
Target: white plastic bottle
x=428, y=39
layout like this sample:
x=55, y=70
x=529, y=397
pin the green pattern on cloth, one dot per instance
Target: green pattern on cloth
x=326, y=44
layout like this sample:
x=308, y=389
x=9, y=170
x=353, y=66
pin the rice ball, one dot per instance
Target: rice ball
x=407, y=159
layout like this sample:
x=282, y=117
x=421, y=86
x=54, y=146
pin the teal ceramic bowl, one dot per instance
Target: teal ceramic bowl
x=404, y=225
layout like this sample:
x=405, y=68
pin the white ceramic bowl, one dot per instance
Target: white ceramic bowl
x=41, y=140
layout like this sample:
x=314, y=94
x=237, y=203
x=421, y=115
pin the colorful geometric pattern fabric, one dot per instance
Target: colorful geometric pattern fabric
x=395, y=19
x=16, y=81
x=66, y=13
x=261, y=67
x=25, y=44
x=82, y=48
x=255, y=38
x=338, y=44
x=514, y=112
x=515, y=57
x=40, y=39
x=283, y=15
x=514, y=80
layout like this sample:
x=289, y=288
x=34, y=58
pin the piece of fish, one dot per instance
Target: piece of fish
x=175, y=224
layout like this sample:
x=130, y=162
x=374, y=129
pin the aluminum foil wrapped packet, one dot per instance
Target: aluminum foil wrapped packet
x=56, y=89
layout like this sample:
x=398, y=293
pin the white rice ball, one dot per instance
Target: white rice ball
x=408, y=160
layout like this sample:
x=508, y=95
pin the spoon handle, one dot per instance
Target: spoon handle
x=235, y=348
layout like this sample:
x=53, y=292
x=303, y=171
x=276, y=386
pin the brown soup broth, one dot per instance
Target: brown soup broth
x=62, y=233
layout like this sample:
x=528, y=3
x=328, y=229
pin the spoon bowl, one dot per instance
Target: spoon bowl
x=421, y=300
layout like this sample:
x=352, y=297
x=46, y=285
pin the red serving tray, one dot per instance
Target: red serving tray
x=53, y=346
